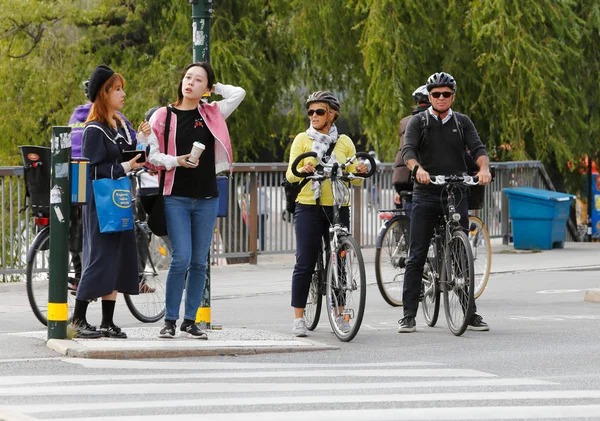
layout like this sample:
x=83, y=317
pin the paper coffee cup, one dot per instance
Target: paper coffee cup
x=197, y=150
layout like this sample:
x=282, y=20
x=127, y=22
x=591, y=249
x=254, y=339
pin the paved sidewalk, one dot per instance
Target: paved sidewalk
x=272, y=275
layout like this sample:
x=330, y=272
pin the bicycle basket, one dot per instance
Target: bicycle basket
x=36, y=162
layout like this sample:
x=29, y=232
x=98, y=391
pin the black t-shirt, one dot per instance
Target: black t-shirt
x=199, y=182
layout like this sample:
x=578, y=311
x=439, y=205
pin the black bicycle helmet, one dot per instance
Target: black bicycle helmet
x=421, y=94
x=323, y=96
x=440, y=79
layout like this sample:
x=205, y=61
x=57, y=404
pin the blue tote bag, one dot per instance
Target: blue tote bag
x=113, y=204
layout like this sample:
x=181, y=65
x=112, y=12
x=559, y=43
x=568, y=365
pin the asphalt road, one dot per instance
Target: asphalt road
x=540, y=360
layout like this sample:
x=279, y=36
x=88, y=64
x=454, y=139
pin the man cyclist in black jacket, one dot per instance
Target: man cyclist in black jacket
x=438, y=149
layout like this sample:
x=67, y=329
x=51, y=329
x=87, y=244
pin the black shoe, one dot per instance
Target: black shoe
x=168, y=330
x=407, y=324
x=477, y=323
x=193, y=331
x=84, y=330
x=113, y=332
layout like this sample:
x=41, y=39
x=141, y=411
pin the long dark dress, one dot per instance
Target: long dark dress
x=109, y=260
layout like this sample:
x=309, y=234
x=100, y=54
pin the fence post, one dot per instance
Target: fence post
x=60, y=206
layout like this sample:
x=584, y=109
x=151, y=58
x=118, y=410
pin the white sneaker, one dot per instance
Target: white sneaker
x=342, y=324
x=299, y=328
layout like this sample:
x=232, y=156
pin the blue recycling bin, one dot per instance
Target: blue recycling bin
x=539, y=217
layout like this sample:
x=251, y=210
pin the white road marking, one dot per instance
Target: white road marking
x=206, y=388
x=398, y=373
x=302, y=400
x=450, y=413
x=193, y=365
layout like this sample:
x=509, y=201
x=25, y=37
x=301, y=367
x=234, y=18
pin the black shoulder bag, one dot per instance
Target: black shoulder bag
x=157, y=221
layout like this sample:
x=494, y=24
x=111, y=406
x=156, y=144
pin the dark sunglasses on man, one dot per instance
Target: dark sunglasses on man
x=445, y=94
x=320, y=112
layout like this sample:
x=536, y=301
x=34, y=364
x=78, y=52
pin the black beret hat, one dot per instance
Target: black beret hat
x=100, y=75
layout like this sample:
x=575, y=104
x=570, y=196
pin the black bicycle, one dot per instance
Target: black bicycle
x=449, y=264
x=154, y=256
x=340, y=270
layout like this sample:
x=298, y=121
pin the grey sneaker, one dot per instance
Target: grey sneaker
x=299, y=328
x=407, y=325
x=342, y=324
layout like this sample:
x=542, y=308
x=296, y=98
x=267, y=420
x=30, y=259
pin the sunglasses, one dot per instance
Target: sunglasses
x=320, y=112
x=445, y=94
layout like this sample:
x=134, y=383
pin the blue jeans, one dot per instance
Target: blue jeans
x=190, y=224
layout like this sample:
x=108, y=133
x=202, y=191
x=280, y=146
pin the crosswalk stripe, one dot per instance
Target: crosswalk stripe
x=302, y=400
x=399, y=373
x=448, y=413
x=193, y=365
x=205, y=388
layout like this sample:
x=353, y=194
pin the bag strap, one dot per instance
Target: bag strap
x=163, y=174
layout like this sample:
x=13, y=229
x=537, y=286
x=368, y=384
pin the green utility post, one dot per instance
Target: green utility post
x=201, y=18
x=60, y=206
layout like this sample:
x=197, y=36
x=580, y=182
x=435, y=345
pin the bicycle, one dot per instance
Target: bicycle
x=391, y=252
x=449, y=265
x=147, y=307
x=481, y=246
x=340, y=270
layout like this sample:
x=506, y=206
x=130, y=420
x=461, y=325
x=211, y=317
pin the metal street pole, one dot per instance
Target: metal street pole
x=60, y=206
x=201, y=19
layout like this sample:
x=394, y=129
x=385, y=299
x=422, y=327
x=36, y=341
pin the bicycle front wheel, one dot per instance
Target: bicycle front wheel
x=155, y=252
x=481, y=246
x=431, y=292
x=346, y=289
x=459, y=283
x=390, y=261
x=38, y=278
x=312, y=310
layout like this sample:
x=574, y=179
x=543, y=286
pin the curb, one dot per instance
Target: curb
x=6, y=415
x=592, y=295
x=148, y=349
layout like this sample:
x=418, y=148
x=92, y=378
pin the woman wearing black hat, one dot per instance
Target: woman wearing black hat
x=109, y=259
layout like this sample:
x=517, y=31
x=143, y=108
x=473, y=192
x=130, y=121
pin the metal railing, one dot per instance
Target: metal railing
x=257, y=223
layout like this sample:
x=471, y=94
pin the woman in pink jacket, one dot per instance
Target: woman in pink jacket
x=190, y=190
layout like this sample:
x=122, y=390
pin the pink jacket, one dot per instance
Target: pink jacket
x=214, y=114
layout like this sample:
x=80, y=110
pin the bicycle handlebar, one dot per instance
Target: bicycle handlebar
x=327, y=165
x=466, y=180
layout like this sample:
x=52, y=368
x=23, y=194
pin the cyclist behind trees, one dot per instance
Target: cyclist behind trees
x=314, y=207
x=401, y=176
x=441, y=151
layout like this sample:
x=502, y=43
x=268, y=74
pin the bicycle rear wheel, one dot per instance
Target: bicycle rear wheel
x=312, y=310
x=481, y=246
x=346, y=289
x=390, y=261
x=460, y=282
x=149, y=305
x=431, y=291
x=38, y=278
